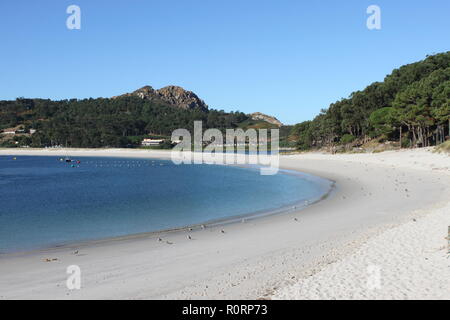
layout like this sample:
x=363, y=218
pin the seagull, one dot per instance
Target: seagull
x=168, y=242
x=189, y=237
x=76, y=252
x=295, y=219
x=222, y=231
x=159, y=239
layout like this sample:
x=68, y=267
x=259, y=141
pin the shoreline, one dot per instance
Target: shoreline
x=254, y=259
x=328, y=185
x=173, y=231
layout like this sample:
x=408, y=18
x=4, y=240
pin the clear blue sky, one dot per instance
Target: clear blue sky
x=285, y=58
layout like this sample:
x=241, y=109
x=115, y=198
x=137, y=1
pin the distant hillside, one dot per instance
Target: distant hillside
x=121, y=121
x=411, y=106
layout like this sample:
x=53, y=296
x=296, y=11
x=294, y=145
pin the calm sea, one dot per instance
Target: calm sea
x=46, y=202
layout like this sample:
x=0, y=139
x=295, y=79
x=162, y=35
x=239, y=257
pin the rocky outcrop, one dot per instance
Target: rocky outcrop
x=182, y=98
x=172, y=95
x=264, y=117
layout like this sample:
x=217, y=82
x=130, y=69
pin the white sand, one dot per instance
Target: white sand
x=411, y=261
x=325, y=254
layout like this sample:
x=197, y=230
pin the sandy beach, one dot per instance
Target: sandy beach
x=390, y=213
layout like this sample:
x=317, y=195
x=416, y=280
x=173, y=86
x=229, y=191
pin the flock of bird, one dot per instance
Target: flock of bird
x=189, y=237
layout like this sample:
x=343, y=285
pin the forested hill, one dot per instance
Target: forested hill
x=411, y=105
x=117, y=122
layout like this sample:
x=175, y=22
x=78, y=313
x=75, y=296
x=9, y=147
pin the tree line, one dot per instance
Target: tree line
x=91, y=123
x=411, y=106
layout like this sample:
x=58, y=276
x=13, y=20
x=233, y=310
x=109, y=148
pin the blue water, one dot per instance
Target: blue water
x=45, y=202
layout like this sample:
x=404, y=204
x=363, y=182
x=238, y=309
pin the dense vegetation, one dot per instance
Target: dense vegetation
x=103, y=122
x=411, y=106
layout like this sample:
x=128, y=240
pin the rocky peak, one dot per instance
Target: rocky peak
x=182, y=98
x=173, y=95
x=264, y=117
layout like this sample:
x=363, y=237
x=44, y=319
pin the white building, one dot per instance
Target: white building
x=151, y=142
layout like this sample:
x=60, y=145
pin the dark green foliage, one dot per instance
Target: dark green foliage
x=413, y=103
x=304, y=134
x=347, y=138
x=121, y=122
x=381, y=121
